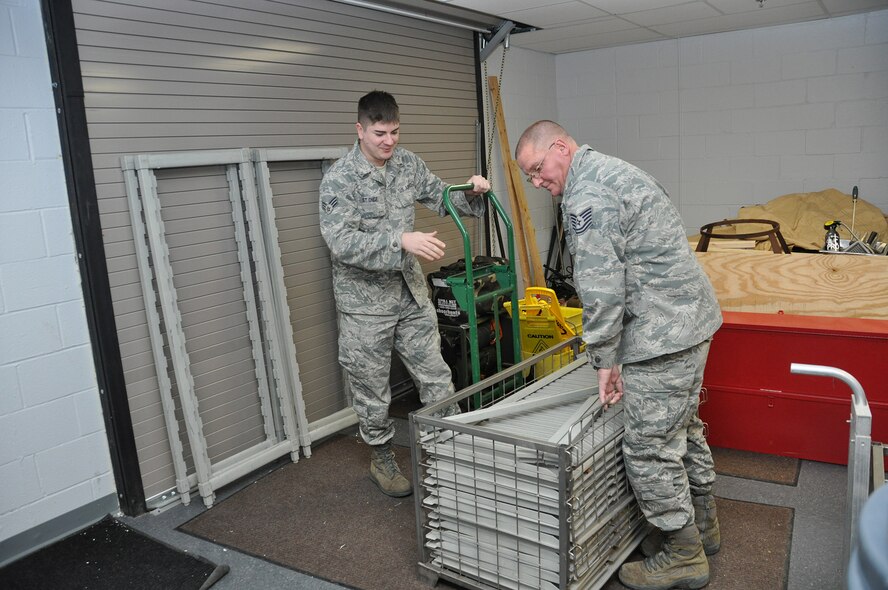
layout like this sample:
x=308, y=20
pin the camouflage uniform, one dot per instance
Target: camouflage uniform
x=380, y=289
x=649, y=306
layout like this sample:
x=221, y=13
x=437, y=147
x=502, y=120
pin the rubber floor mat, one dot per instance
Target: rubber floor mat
x=755, y=549
x=324, y=517
x=758, y=466
x=109, y=556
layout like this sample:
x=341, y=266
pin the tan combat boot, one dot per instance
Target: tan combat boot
x=706, y=519
x=384, y=472
x=680, y=564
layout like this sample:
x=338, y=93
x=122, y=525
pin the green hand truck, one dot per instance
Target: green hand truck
x=462, y=284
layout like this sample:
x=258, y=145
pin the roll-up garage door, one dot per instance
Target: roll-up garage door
x=177, y=75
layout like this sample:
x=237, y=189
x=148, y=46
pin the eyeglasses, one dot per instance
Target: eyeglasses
x=535, y=173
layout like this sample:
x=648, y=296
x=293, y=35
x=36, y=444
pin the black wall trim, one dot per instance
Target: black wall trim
x=479, y=95
x=64, y=64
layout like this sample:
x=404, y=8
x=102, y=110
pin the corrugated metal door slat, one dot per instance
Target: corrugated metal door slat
x=178, y=75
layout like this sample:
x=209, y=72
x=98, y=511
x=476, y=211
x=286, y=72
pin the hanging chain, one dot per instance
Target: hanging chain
x=493, y=111
x=492, y=123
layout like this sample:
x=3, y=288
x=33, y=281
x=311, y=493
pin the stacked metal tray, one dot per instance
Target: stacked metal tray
x=528, y=490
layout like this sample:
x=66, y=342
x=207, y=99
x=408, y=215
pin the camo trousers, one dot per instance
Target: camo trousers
x=365, y=352
x=666, y=455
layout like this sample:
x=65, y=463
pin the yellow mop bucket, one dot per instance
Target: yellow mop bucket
x=543, y=323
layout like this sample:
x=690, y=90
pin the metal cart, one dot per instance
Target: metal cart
x=529, y=490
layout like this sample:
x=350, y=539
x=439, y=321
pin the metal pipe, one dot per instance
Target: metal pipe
x=823, y=371
x=411, y=14
x=859, y=449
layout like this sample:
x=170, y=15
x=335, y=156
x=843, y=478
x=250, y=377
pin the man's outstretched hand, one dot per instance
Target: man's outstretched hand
x=422, y=244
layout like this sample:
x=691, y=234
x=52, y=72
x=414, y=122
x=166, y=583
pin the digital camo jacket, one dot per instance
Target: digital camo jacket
x=643, y=292
x=362, y=217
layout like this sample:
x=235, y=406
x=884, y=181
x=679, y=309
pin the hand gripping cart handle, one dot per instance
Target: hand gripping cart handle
x=462, y=284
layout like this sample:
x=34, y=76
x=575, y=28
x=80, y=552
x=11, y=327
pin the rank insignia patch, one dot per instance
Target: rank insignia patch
x=581, y=222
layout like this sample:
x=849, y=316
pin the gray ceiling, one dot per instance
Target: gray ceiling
x=576, y=25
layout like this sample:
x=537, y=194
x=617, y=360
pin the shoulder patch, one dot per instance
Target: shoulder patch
x=330, y=205
x=581, y=222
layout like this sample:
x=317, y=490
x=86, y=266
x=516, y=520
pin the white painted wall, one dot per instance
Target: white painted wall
x=527, y=89
x=54, y=454
x=740, y=118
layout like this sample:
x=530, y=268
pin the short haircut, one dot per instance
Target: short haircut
x=541, y=132
x=378, y=106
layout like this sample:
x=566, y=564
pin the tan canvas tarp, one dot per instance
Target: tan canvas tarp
x=801, y=217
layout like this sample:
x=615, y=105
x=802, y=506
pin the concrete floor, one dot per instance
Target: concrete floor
x=815, y=557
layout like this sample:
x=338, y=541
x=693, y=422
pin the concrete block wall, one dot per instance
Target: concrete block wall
x=527, y=90
x=54, y=456
x=740, y=118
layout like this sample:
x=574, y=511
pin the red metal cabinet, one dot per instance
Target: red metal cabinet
x=753, y=402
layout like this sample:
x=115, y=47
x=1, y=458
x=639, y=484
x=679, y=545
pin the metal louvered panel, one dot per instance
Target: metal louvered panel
x=528, y=491
x=306, y=266
x=251, y=340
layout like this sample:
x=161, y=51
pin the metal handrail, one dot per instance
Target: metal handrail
x=859, y=448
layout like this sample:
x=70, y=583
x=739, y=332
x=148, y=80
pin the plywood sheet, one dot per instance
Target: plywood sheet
x=838, y=285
